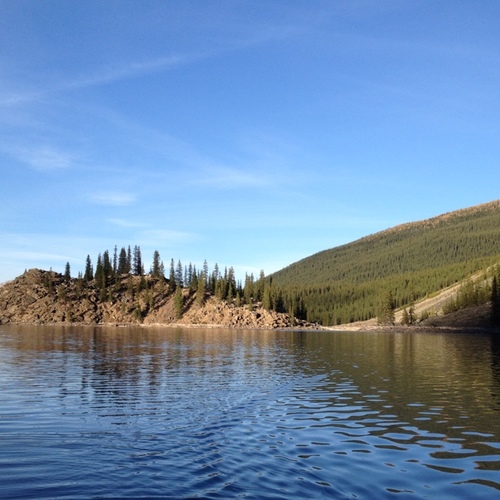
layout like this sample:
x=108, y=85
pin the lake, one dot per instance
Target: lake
x=204, y=413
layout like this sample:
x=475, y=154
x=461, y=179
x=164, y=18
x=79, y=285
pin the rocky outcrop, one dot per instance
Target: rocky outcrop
x=216, y=312
x=45, y=297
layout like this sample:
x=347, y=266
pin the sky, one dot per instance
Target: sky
x=249, y=134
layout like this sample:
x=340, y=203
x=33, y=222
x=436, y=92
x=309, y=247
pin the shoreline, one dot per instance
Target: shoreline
x=415, y=329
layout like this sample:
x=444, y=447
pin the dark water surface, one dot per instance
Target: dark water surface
x=138, y=412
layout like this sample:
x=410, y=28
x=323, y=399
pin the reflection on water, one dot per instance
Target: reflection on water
x=128, y=412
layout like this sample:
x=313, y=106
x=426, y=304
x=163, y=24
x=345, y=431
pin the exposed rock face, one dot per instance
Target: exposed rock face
x=45, y=297
x=216, y=312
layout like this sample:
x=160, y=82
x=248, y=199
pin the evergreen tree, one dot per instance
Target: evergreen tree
x=137, y=267
x=99, y=272
x=200, y=290
x=231, y=284
x=129, y=260
x=171, y=277
x=115, y=261
x=178, y=274
x=248, y=288
x=386, y=312
x=205, y=274
x=67, y=272
x=106, y=264
x=266, y=298
x=122, y=262
x=89, y=271
x=178, y=302
x=194, y=280
x=260, y=286
x=156, y=268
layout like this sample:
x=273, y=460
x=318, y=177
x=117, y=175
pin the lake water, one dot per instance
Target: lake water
x=143, y=412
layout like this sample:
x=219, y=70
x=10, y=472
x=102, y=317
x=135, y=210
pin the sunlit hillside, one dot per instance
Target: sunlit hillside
x=411, y=261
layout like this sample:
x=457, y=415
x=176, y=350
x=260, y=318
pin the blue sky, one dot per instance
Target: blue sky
x=248, y=133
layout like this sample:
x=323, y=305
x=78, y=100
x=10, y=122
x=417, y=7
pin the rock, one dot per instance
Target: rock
x=45, y=297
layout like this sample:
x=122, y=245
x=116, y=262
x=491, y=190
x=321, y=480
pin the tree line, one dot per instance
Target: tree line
x=111, y=268
x=332, y=304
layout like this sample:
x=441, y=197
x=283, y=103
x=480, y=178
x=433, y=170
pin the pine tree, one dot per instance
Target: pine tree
x=156, y=269
x=178, y=274
x=386, y=312
x=115, y=261
x=89, y=271
x=137, y=267
x=231, y=284
x=215, y=283
x=122, y=262
x=200, y=290
x=205, y=274
x=67, y=272
x=106, y=264
x=194, y=280
x=99, y=277
x=171, y=277
x=266, y=298
x=260, y=285
x=248, y=288
x=178, y=302
x=129, y=260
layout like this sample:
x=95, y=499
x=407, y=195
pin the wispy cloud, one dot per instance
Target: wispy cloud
x=124, y=223
x=113, y=198
x=40, y=157
x=245, y=36
x=230, y=178
x=101, y=76
x=125, y=71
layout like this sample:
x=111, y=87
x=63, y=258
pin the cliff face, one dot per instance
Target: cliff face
x=45, y=297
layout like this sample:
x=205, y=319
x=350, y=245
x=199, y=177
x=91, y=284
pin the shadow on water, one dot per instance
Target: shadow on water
x=495, y=367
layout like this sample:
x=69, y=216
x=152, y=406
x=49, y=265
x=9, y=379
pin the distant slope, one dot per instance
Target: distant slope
x=345, y=283
x=477, y=316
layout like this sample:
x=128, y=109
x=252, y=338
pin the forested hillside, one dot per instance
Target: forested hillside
x=368, y=278
x=349, y=283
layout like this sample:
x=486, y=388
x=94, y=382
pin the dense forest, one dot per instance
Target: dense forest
x=351, y=282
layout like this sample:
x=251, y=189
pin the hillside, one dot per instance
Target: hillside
x=46, y=297
x=413, y=260
x=433, y=309
x=426, y=262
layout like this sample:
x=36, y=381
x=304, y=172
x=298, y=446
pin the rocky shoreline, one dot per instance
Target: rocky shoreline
x=46, y=298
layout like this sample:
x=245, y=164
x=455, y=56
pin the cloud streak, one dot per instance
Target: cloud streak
x=113, y=198
x=103, y=76
x=43, y=157
x=222, y=177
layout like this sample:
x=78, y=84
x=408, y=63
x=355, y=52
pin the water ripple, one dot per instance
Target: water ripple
x=176, y=414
